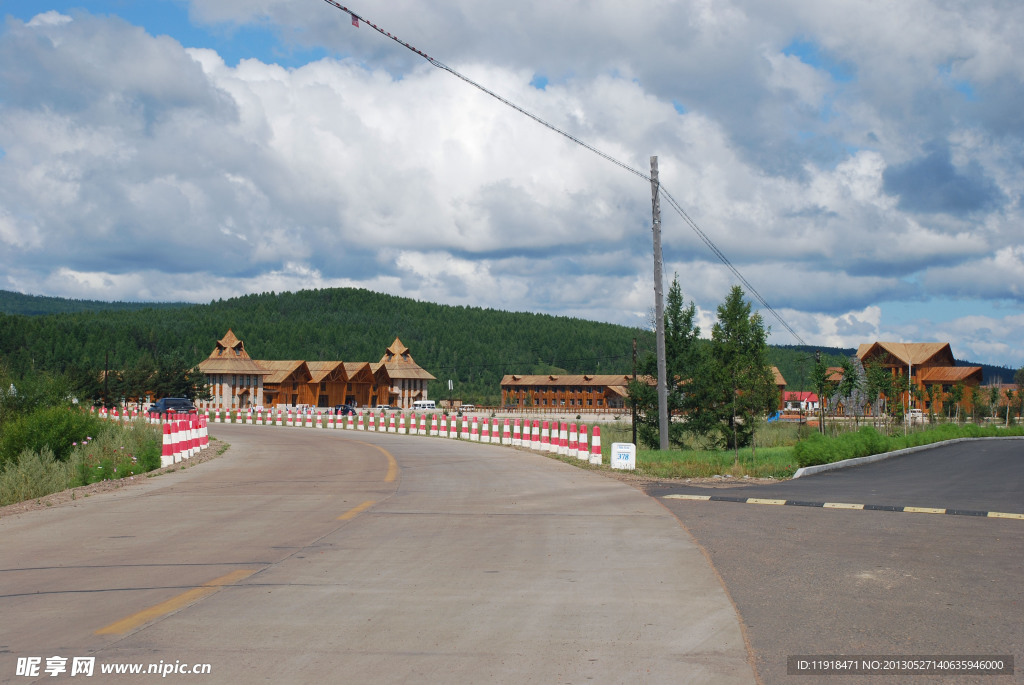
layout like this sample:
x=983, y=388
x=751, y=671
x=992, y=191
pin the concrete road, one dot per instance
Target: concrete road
x=846, y=582
x=328, y=556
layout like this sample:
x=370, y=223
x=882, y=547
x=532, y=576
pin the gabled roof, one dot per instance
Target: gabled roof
x=910, y=353
x=280, y=371
x=359, y=372
x=320, y=371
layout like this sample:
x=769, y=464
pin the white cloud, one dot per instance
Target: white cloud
x=124, y=156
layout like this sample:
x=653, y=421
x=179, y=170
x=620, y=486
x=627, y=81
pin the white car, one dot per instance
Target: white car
x=914, y=416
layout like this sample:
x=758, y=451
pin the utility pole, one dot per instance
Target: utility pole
x=659, y=308
x=634, y=399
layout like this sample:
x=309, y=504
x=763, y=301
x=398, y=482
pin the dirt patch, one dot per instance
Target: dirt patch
x=215, y=449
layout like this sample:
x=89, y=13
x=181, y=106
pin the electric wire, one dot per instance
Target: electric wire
x=661, y=189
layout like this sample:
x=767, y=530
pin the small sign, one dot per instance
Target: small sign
x=623, y=456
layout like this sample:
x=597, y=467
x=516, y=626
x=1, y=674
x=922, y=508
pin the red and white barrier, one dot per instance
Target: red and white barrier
x=167, y=453
x=582, y=452
x=595, y=446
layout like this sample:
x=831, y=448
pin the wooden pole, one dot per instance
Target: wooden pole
x=659, y=308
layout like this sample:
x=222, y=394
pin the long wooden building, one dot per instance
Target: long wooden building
x=238, y=381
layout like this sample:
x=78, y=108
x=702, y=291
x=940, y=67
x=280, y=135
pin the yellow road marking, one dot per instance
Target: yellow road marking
x=1002, y=515
x=754, y=500
x=392, y=473
x=173, y=604
x=923, y=510
x=841, y=505
x=356, y=511
x=703, y=498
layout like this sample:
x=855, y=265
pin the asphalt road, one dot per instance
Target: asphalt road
x=817, y=581
x=328, y=556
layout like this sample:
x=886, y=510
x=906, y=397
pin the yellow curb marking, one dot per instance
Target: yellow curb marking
x=1002, y=515
x=754, y=500
x=841, y=505
x=703, y=498
x=923, y=510
x=173, y=604
x=356, y=511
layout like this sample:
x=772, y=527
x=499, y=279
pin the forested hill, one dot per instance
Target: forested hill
x=474, y=347
x=39, y=305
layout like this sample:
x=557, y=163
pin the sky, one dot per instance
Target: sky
x=860, y=164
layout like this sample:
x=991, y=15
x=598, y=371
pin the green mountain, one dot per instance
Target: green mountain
x=39, y=305
x=472, y=346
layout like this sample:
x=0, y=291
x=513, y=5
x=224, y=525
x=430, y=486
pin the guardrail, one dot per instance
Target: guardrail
x=564, y=438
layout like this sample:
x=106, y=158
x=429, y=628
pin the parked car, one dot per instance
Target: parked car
x=345, y=410
x=914, y=416
x=385, y=407
x=168, y=405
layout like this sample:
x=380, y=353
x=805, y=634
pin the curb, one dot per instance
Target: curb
x=849, y=505
x=846, y=463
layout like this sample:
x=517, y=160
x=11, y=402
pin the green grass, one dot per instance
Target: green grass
x=117, y=451
x=772, y=456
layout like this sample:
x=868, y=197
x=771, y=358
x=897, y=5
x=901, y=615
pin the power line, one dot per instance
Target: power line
x=356, y=18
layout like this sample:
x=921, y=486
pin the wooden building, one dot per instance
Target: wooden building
x=398, y=379
x=579, y=392
x=920, y=365
x=575, y=392
x=237, y=381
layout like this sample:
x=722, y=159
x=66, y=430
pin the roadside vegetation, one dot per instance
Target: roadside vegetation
x=48, y=445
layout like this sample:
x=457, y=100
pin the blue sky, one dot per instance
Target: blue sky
x=861, y=169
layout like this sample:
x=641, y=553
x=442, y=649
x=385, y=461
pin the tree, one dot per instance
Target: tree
x=735, y=385
x=930, y=391
x=681, y=362
x=850, y=382
x=956, y=396
x=823, y=386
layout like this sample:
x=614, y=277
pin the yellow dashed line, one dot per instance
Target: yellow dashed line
x=356, y=511
x=173, y=604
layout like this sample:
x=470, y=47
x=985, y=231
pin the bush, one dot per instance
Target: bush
x=818, y=449
x=33, y=474
x=56, y=428
x=119, y=452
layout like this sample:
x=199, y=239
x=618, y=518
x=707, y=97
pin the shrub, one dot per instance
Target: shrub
x=56, y=428
x=119, y=452
x=33, y=474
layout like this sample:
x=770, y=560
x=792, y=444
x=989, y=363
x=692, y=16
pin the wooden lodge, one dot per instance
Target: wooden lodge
x=920, y=365
x=237, y=381
x=575, y=392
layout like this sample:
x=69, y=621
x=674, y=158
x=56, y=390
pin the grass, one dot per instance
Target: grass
x=117, y=451
x=772, y=456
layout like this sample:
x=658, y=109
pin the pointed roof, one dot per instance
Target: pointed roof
x=229, y=356
x=398, y=363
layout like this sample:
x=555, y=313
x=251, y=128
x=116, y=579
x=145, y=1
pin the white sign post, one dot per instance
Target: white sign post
x=623, y=456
